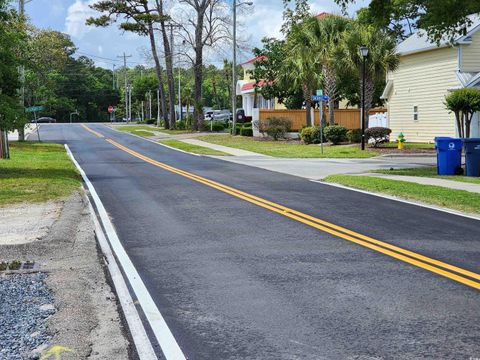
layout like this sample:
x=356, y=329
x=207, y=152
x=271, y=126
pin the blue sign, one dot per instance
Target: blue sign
x=319, y=98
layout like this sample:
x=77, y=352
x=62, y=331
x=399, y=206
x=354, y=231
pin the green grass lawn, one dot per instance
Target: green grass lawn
x=436, y=195
x=287, y=150
x=193, y=148
x=174, y=132
x=143, y=133
x=428, y=172
x=36, y=172
x=130, y=128
x=409, y=145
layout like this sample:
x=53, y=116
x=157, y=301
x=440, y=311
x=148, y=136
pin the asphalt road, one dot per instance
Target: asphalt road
x=235, y=280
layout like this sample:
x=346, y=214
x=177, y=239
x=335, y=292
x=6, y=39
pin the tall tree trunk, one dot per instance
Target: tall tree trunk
x=468, y=122
x=330, y=87
x=158, y=70
x=169, y=67
x=198, y=71
x=458, y=114
x=4, y=153
x=308, y=104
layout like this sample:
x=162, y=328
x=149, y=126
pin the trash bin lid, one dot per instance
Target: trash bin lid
x=471, y=140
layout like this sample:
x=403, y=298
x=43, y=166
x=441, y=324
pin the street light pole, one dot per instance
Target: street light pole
x=364, y=54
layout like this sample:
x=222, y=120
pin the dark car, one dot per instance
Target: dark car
x=44, y=120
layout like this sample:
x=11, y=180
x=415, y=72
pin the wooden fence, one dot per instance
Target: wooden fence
x=350, y=118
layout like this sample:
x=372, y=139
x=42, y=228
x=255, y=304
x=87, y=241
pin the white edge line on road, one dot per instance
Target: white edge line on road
x=153, y=141
x=170, y=348
x=389, y=197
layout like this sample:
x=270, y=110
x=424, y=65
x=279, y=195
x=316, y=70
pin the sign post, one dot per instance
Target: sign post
x=320, y=98
x=110, y=111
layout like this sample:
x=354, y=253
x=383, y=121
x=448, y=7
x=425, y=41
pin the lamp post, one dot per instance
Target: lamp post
x=364, y=53
x=234, y=62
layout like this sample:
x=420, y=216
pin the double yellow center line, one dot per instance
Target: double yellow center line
x=452, y=272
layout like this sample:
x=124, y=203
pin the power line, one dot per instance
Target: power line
x=108, y=59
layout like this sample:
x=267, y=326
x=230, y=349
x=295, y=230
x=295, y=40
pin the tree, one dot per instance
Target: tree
x=295, y=16
x=137, y=17
x=11, y=43
x=440, y=18
x=382, y=57
x=464, y=103
x=205, y=26
x=324, y=37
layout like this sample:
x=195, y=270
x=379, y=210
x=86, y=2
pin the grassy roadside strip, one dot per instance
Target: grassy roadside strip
x=36, y=172
x=427, y=172
x=195, y=149
x=145, y=130
x=454, y=199
x=285, y=149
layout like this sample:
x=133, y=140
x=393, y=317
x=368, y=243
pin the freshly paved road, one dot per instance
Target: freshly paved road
x=237, y=281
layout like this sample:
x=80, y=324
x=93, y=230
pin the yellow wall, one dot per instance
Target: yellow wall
x=423, y=79
x=246, y=75
x=471, y=54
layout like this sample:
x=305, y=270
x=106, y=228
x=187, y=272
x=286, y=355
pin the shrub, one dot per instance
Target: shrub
x=218, y=126
x=310, y=135
x=150, y=121
x=336, y=134
x=246, y=131
x=277, y=128
x=378, y=135
x=354, y=135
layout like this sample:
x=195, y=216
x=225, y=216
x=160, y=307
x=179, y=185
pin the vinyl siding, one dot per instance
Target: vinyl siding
x=470, y=61
x=423, y=80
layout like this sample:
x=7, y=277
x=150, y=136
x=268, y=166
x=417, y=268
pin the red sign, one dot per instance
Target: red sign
x=110, y=109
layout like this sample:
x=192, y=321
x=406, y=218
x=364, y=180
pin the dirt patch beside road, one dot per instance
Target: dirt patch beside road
x=86, y=321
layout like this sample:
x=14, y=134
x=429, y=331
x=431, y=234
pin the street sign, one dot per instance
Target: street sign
x=110, y=109
x=319, y=93
x=319, y=98
x=34, y=109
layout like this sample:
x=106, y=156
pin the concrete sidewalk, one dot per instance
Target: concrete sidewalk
x=317, y=169
x=451, y=184
x=225, y=149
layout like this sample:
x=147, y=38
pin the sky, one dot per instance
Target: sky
x=105, y=44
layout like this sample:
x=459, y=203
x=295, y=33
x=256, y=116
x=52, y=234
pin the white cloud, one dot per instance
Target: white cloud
x=77, y=14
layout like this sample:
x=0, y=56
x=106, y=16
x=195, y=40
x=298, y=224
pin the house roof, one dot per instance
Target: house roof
x=322, y=15
x=251, y=85
x=420, y=42
x=255, y=59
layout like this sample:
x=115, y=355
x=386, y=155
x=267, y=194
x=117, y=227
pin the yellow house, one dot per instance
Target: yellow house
x=415, y=92
x=246, y=88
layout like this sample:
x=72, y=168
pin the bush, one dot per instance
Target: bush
x=150, y=121
x=217, y=126
x=310, y=135
x=354, y=135
x=378, y=135
x=276, y=128
x=336, y=134
x=246, y=131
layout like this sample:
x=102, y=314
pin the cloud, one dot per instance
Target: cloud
x=77, y=14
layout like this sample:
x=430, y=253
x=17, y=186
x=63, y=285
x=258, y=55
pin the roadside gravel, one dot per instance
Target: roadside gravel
x=25, y=305
x=84, y=317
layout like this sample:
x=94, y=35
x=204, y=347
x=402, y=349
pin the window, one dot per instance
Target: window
x=415, y=113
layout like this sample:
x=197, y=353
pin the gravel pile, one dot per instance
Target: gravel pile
x=25, y=305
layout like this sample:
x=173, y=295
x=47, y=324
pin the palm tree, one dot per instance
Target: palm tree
x=299, y=69
x=324, y=38
x=382, y=56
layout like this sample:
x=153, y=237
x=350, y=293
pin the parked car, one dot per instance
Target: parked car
x=44, y=120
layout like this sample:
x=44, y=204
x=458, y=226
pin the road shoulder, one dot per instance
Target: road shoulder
x=86, y=322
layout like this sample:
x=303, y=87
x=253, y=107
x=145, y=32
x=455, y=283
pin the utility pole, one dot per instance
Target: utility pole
x=149, y=104
x=125, y=78
x=180, y=94
x=113, y=77
x=158, y=107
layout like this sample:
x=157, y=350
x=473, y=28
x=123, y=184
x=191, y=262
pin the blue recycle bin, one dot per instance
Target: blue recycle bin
x=472, y=156
x=449, y=155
